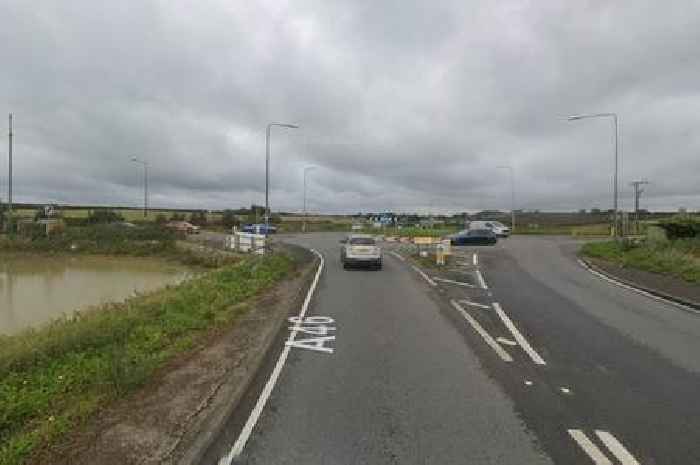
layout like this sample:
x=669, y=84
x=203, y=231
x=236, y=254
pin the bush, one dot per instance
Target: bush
x=683, y=227
x=104, y=216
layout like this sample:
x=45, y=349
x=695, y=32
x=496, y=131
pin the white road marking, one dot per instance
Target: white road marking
x=425, y=276
x=459, y=283
x=398, y=256
x=617, y=449
x=481, y=280
x=270, y=385
x=474, y=304
x=507, y=342
x=528, y=383
x=518, y=337
x=475, y=259
x=638, y=291
x=505, y=356
x=589, y=448
x=565, y=390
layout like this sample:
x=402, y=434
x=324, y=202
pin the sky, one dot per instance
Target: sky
x=402, y=105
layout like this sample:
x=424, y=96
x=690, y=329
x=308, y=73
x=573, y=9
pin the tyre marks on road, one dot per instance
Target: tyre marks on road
x=615, y=447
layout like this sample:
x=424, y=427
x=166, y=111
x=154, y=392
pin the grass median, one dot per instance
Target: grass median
x=679, y=258
x=54, y=378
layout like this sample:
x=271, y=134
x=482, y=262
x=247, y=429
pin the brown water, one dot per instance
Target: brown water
x=36, y=289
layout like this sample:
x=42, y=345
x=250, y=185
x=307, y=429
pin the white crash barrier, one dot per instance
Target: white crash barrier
x=246, y=242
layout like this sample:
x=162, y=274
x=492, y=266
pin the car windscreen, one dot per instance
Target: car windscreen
x=361, y=241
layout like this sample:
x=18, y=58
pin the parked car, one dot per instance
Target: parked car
x=180, y=226
x=499, y=229
x=259, y=229
x=474, y=237
x=360, y=250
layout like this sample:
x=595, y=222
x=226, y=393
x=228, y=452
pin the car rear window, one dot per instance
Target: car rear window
x=361, y=241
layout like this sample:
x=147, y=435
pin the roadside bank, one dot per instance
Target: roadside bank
x=54, y=381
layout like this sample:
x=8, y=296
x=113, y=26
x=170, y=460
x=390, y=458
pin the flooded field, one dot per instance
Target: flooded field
x=35, y=289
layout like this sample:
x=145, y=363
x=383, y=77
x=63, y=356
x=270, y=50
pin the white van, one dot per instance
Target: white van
x=498, y=228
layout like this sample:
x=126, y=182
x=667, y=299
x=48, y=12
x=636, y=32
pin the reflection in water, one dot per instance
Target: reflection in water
x=35, y=289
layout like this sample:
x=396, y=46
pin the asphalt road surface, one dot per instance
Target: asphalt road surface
x=515, y=354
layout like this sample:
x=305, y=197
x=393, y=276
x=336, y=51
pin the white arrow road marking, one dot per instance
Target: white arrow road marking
x=270, y=385
x=518, y=337
x=474, y=304
x=589, y=448
x=505, y=356
x=617, y=449
x=459, y=283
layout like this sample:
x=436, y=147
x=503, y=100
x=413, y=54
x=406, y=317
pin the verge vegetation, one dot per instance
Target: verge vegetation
x=52, y=379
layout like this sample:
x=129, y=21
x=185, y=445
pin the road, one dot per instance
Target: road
x=515, y=356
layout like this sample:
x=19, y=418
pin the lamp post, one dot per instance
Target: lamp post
x=512, y=196
x=616, y=229
x=267, y=168
x=9, y=182
x=306, y=170
x=145, y=184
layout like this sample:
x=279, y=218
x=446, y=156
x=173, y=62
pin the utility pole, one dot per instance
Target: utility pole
x=638, y=190
x=9, y=187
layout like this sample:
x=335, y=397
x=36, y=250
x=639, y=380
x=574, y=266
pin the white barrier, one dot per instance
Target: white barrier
x=246, y=242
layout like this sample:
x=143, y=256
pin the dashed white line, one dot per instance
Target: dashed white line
x=459, y=283
x=425, y=276
x=518, y=336
x=616, y=448
x=270, y=385
x=505, y=356
x=565, y=390
x=482, y=282
x=475, y=259
x=398, y=256
x=589, y=448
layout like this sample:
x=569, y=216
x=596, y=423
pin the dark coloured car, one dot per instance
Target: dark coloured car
x=474, y=237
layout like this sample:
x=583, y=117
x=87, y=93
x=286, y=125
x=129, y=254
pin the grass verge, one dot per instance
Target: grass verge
x=53, y=378
x=679, y=258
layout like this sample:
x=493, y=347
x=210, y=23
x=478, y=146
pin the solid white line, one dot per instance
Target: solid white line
x=459, y=283
x=481, y=280
x=634, y=289
x=518, y=337
x=270, y=385
x=397, y=256
x=505, y=356
x=425, y=276
x=475, y=259
x=617, y=449
x=474, y=304
x=589, y=448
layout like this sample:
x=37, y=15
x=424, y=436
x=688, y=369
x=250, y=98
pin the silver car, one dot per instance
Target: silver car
x=360, y=250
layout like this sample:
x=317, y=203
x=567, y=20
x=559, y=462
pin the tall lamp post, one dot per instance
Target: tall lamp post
x=145, y=184
x=267, y=169
x=512, y=196
x=616, y=229
x=306, y=170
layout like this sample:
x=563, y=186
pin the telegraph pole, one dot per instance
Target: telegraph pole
x=638, y=190
x=9, y=187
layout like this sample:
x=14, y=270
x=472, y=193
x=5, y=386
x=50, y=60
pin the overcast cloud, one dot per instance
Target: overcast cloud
x=404, y=105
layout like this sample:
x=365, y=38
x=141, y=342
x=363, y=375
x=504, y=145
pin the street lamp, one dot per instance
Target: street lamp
x=145, y=184
x=615, y=192
x=512, y=196
x=267, y=169
x=306, y=169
